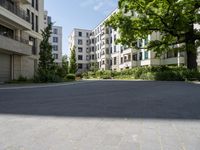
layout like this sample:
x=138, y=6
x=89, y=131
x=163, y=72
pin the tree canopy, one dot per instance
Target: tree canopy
x=46, y=67
x=175, y=20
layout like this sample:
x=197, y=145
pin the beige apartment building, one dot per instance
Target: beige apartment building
x=97, y=48
x=21, y=22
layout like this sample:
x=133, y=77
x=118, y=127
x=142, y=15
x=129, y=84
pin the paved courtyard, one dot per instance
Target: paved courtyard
x=101, y=115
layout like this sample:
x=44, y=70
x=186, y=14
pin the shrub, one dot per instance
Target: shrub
x=98, y=74
x=148, y=76
x=91, y=74
x=79, y=75
x=22, y=79
x=85, y=75
x=71, y=77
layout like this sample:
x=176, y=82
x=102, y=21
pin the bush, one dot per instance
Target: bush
x=47, y=77
x=98, y=74
x=85, y=75
x=71, y=77
x=91, y=74
x=79, y=75
x=22, y=79
x=148, y=76
x=160, y=73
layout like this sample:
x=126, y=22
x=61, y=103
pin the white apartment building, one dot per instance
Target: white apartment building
x=55, y=39
x=80, y=39
x=111, y=56
x=20, y=24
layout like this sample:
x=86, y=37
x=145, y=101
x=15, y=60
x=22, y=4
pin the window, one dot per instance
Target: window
x=36, y=3
x=92, y=49
x=115, y=49
x=55, y=31
x=80, y=42
x=28, y=14
x=55, y=56
x=33, y=23
x=111, y=62
x=55, y=47
x=110, y=40
x=146, y=55
x=87, y=34
x=36, y=23
x=55, y=39
x=80, y=57
x=111, y=50
x=33, y=3
x=80, y=34
x=121, y=60
x=6, y=32
x=115, y=60
x=80, y=66
x=135, y=57
x=87, y=57
x=80, y=49
x=140, y=55
x=92, y=57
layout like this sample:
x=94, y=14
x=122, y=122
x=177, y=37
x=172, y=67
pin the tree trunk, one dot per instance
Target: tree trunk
x=191, y=49
x=191, y=59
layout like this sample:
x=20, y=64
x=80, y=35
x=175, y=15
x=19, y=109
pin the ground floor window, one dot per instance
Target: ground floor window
x=80, y=66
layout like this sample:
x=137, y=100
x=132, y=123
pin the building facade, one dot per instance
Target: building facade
x=20, y=24
x=55, y=39
x=99, y=51
x=80, y=40
x=56, y=42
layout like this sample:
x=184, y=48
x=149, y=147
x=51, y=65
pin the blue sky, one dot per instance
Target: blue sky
x=78, y=14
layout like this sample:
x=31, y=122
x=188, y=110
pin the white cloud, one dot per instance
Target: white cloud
x=102, y=6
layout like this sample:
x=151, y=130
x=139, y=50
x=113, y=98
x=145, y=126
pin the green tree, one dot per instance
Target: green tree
x=173, y=19
x=65, y=64
x=46, y=67
x=73, y=65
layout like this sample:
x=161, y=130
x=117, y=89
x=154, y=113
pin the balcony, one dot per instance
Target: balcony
x=173, y=61
x=24, y=1
x=15, y=45
x=10, y=12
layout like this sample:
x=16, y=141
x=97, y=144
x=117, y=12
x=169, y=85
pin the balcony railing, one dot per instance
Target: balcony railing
x=15, y=9
x=19, y=39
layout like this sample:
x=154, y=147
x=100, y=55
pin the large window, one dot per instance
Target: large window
x=6, y=32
